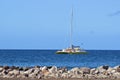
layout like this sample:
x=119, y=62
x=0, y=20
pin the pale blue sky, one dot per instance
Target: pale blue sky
x=45, y=24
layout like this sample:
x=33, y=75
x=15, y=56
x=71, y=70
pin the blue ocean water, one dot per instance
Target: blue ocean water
x=94, y=58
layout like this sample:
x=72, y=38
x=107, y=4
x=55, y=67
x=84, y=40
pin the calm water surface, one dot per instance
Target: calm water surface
x=94, y=58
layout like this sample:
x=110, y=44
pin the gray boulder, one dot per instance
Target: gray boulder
x=1, y=69
x=53, y=69
x=65, y=75
x=106, y=67
x=39, y=76
x=43, y=68
x=4, y=72
x=29, y=71
x=101, y=69
x=117, y=75
x=92, y=71
x=117, y=68
x=32, y=75
x=75, y=71
x=6, y=67
x=14, y=72
x=36, y=71
x=85, y=70
x=111, y=71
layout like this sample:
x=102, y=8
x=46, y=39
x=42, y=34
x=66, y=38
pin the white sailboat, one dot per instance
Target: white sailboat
x=72, y=49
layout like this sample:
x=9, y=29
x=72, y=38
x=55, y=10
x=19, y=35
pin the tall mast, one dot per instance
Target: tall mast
x=71, y=28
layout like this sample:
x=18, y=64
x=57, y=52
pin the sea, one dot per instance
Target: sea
x=30, y=58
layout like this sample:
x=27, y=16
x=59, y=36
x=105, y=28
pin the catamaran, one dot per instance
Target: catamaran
x=72, y=49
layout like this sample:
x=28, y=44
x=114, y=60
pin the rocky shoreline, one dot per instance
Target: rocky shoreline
x=38, y=72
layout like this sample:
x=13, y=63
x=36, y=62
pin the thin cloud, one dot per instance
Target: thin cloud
x=114, y=14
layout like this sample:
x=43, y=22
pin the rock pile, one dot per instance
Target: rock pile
x=55, y=72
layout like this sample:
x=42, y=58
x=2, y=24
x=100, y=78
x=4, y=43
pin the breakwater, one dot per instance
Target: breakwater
x=101, y=72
